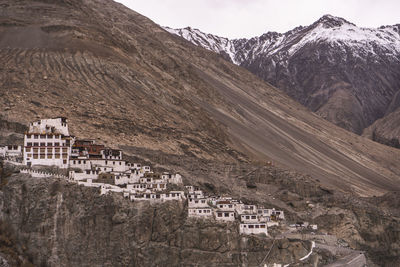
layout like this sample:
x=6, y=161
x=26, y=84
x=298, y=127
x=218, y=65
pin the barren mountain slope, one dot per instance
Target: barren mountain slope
x=121, y=78
x=347, y=74
x=386, y=130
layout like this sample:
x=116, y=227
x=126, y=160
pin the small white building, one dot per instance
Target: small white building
x=82, y=164
x=224, y=215
x=198, y=203
x=277, y=215
x=246, y=209
x=11, y=152
x=108, y=165
x=87, y=174
x=196, y=194
x=253, y=228
x=200, y=213
x=249, y=218
x=225, y=205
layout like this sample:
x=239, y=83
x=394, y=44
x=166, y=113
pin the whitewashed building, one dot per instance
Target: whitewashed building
x=48, y=142
x=12, y=152
x=249, y=218
x=85, y=175
x=224, y=215
x=253, y=228
x=200, y=212
x=198, y=203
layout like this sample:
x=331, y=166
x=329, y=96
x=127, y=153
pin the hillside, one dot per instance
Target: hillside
x=346, y=74
x=121, y=78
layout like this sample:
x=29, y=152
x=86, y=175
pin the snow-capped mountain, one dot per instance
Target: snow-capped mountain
x=347, y=74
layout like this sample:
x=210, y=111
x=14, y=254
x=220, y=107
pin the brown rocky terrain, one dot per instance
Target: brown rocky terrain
x=62, y=224
x=386, y=130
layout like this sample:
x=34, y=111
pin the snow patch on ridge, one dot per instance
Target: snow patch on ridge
x=329, y=29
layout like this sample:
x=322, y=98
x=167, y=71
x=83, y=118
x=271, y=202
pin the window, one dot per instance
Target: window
x=84, y=162
x=221, y=206
x=120, y=163
x=226, y=214
x=43, y=150
x=28, y=136
x=50, y=144
x=113, y=162
x=29, y=144
x=35, y=144
x=56, y=136
x=56, y=144
x=28, y=149
x=203, y=201
x=257, y=226
x=79, y=162
x=57, y=156
x=42, y=156
x=65, y=150
x=64, y=161
x=196, y=201
x=230, y=206
x=35, y=156
x=199, y=211
x=49, y=156
x=219, y=214
x=251, y=226
x=42, y=136
x=57, y=149
x=49, y=151
x=35, y=150
x=247, y=217
x=36, y=136
x=254, y=217
x=262, y=226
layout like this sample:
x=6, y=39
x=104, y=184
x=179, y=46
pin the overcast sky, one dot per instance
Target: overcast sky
x=248, y=18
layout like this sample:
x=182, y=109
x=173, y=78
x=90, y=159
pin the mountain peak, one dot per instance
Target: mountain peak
x=329, y=21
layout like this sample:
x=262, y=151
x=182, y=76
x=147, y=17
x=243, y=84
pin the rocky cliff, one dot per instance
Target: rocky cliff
x=59, y=224
x=346, y=74
x=121, y=78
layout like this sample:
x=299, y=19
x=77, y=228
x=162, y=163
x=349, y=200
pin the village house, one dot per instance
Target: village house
x=198, y=203
x=253, y=228
x=247, y=218
x=11, y=152
x=200, y=212
x=224, y=215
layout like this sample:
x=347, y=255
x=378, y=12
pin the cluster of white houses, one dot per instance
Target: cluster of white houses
x=49, y=143
x=253, y=219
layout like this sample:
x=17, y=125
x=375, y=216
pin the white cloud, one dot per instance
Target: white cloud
x=247, y=18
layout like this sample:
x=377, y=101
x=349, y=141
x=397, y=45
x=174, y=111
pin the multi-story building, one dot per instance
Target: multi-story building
x=48, y=142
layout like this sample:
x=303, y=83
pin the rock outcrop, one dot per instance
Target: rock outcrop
x=61, y=224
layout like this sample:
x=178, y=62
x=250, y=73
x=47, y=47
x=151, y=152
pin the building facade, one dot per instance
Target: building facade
x=48, y=142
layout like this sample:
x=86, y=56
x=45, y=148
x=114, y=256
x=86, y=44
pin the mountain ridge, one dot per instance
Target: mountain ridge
x=322, y=65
